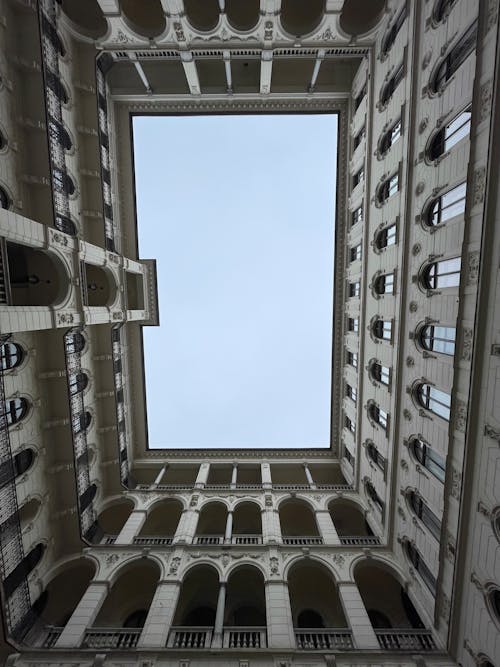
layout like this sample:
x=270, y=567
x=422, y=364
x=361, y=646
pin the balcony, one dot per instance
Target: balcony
x=208, y=539
x=246, y=539
x=182, y=637
x=405, y=640
x=111, y=638
x=360, y=540
x=232, y=637
x=315, y=639
x=302, y=540
x=238, y=637
x=157, y=541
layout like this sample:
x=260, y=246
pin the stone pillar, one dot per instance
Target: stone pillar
x=219, y=616
x=84, y=615
x=132, y=527
x=234, y=476
x=265, y=471
x=201, y=478
x=280, y=632
x=356, y=616
x=327, y=527
x=160, y=475
x=160, y=615
x=309, y=478
x=271, y=527
x=229, y=527
x=186, y=527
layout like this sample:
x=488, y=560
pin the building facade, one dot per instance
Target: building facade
x=383, y=549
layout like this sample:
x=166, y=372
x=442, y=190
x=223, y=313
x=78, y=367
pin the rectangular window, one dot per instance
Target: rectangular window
x=352, y=359
x=355, y=254
x=358, y=177
x=389, y=283
x=360, y=97
x=457, y=129
x=353, y=324
x=357, y=216
x=351, y=393
x=382, y=418
x=386, y=329
x=349, y=424
x=354, y=289
x=393, y=185
x=395, y=132
x=359, y=138
x=385, y=375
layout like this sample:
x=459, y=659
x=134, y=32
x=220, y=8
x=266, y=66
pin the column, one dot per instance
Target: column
x=271, y=527
x=186, y=527
x=132, y=527
x=280, y=632
x=265, y=471
x=219, y=616
x=202, y=476
x=362, y=632
x=84, y=615
x=160, y=615
x=309, y=478
x=160, y=475
x=326, y=527
x=229, y=527
x=234, y=476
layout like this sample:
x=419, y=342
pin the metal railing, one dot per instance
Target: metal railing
x=405, y=640
x=111, y=638
x=208, y=539
x=303, y=540
x=199, y=637
x=311, y=639
x=52, y=634
x=360, y=540
x=246, y=539
x=238, y=637
x=154, y=541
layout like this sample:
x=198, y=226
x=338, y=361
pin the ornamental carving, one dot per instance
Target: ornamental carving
x=467, y=335
x=417, y=248
x=461, y=416
x=174, y=565
x=423, y=124
x=472, y=267
x=427, y=58
x=268, y=30
x=491, y=16
x=492, y=432
x=478, y=186
x=485, y=95
x=122, y=38
x=410, y=361
x=194, y=501
x=456, y=483
x=407, y=415
x=274, y=565
x=338, y=559
x=444, y=606
x=450, y=547
x=413, y=306
x=111, y=559
x=179, y=32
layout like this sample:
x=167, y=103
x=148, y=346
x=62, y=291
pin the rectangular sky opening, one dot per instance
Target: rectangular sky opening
x=239, y=212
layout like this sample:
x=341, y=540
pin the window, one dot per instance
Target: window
x=74, y=343
x=380, y=373
x=382, y=329
x=373, y=495
x=454, y=59
x=438, y=339
x=378, y=415
x=4, y=199
x=59, y=134
x=388, y=89
x=22, y=569
x=360, y=97
x=63, y=182
x=451, y=134
x=385, y=238
x=15, y=410
x=442, y=9
x=435, y=400
x=359, y=138
x=445, y=273
x=358, y=177
x=348, y=456
x=355, y=253
x=55, y=84
x=388, y=188
x=384, y=284
x=352, y=359
x=494, y=604
x=81, y=422
x=428, y=458
x=447, y=206
x=349, y=424
x=354, y=289
x=353, y=324
x=351, y=393
x=419, y=564
x=424, y=513
x=78, y=383
x=66, y=225
x=50, y=32
x=357, y=216
x=11, y=355
x=375, y=456
x=390, y=137
x=390, y=36
x=3, y=141
x=18, y=465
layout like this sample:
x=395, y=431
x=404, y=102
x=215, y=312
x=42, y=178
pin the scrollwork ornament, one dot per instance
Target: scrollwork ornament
x=423, y=124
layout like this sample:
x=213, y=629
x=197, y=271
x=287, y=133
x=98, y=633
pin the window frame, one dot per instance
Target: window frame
x=433, y=216
x=425, y=454
x=389, y=88
x=433, y=336
x=432, y=274
x=453, y=59
x=423, y=512
x=428, y=397
x=5, y=356
x=437, y=146
x=383, y=328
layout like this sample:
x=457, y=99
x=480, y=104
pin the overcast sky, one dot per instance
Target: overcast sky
x=239, y=213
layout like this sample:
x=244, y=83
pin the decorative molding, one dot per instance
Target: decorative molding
x=461, y=416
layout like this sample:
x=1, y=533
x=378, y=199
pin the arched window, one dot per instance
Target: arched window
x=63, y=182
x=3, y=141
x=378, y=415
x=78, y=382
x=74, y=343
x=388, y=89
x=438, y=339
x=380, y=373
x=388, y=188
x=435, y=400
x=66, y=225
x=494, y=604
x=22, y=461
x=11, y=355
x=453, y=132
x=373, y=496
x=442, y=274
x=447, y=206
x=382, y=329
x=424, y=513
x=389, y=138
x=23, y=569
x=359, y=137
x=375, y=456
x=385, y=237
x=81, y=422
x=428, y=458
x=384, y=284
x=5, y=202
x=390, y=36
x=419, y=564
x=454, y=58
x=15, y=410
x=442, y=9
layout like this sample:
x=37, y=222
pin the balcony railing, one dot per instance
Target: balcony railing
x=360, y=541
x=111, y=638
x=405, y=640
x=169, y=487
x=246, y=539
x=154, y=541
x=109, y=539
x=238, y=637
x=303, y=540
x=324, y=639
x=208, y=539
x=199, y=637
x=52, y=634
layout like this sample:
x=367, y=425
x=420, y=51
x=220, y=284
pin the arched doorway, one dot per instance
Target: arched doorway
x=245, y=609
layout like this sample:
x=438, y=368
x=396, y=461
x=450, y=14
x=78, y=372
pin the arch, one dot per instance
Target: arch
x=23, y=461
x=100, y=286
x=145, y=17
x=16, y=409
x=37, y=277
x=377, y=416
x=388, y=188
x=212, y=519
x=314, y=595
x=87, y=17
x=11, y=355
x=163, y=519
x=383, y=284
x=493, y=603
x=447, y=206
x=348, y=518
x=65, y=590
x=359, y=17
x=441, y=10
x=203, y=15
x=132, y=591
x=81, y=422
x=29, y=511
x=113, y=517
x=297, y=518
x=385, y=600
x=77, y=382
x=385, y=237
x=245, y=597
x=247, y=518
x=379, y=373
x=197, y=602
x=74, y=342
x=243, y=15
x=301, y=18
x=392, y=32
x=372, y=494
x=5, y=199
